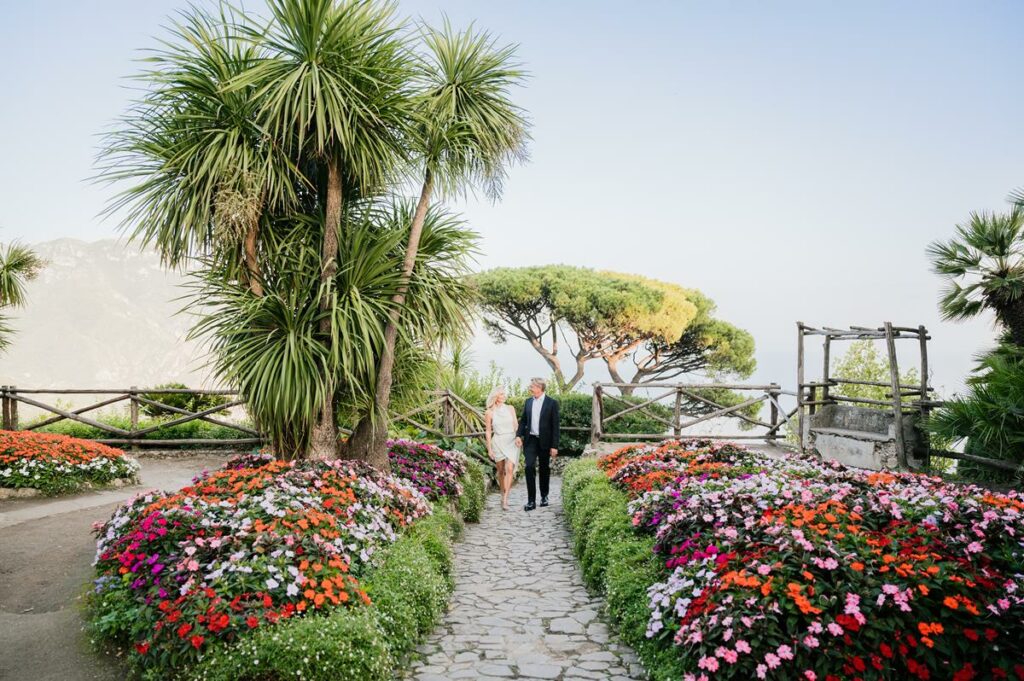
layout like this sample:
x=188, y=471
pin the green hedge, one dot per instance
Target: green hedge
x=192, y=430
x=409, y=590
x=616, y=561
x=474, y=492
x=575, y=410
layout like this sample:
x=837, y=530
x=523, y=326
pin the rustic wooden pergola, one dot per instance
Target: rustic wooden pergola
x=808, y=400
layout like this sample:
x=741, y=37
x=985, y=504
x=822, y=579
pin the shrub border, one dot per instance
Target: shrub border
x=616, y=562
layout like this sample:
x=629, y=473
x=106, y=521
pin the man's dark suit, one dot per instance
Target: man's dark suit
x=537, y=448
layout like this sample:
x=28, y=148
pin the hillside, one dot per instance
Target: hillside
x=101, y=315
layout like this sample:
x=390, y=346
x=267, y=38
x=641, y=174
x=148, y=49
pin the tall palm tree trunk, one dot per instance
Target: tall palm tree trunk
x=323, y=440
x=369, y=441
x=1012, y=316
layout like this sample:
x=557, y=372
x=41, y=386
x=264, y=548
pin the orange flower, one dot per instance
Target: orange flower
x=950, y=603
x=858, y=567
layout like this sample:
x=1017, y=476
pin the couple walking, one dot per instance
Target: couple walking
x=536, y=433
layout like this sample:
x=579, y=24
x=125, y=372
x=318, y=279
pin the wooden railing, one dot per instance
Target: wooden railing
x=11, y=396
x=680, y=421
x=445, y=415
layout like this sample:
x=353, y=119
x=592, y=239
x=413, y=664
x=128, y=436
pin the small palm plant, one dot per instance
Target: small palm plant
x=18, y=265
x=984, y=266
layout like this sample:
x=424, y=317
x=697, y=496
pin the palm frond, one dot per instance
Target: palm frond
x=468, y=128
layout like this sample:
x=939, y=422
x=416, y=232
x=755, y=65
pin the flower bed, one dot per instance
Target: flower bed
x=242, y=548
x=801, y=569
x=56, y=464
x=433, y=471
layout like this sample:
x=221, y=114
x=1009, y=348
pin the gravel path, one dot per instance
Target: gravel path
x=520, y=610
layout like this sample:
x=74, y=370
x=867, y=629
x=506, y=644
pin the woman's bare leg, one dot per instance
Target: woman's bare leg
x=501, y=480
x=510, y=471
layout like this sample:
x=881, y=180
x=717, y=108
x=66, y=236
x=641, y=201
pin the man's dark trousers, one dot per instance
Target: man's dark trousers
x=535, y=458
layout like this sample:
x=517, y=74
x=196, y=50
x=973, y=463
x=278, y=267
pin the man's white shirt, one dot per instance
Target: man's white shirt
x=538, y=404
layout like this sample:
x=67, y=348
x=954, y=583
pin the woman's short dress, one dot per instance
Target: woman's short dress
x=503, y=434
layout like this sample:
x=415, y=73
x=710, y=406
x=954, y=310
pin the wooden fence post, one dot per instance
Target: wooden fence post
x=14, y=406
x=825, y=369
x=133, y=410
x=773, y=398
x=897, y=398
x=924, y=397
x=448, y=415
x=596, y=412
x=800, y=384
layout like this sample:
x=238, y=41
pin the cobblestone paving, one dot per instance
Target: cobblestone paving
x=520, y=610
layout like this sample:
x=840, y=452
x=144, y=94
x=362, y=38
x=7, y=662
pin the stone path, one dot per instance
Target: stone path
x=520, y=610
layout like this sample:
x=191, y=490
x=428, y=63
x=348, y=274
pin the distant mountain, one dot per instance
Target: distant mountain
x=101, y=315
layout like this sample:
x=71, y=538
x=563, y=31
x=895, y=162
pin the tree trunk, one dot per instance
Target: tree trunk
x=252, y=265
x=613, y=371
x=323, y=440
x=376, y=447
x=1012, y=317
x=566, y=386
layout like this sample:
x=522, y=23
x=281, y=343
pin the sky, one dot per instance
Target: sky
x=790, y=159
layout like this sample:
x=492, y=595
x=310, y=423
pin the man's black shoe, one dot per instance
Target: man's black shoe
x=530, y=506
x=543, y=501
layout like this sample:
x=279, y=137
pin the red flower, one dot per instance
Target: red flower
x=966, y=673
x=253, y=622
x=858, y=664
x=196, y=641
x=142, y=648
x=886, y=650
x=991, y=634
x=184, y=629
x=971, y=634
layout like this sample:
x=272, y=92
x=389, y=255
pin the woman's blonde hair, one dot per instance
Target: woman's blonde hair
x=494, y=395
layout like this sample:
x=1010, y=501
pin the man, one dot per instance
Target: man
x=538, y=436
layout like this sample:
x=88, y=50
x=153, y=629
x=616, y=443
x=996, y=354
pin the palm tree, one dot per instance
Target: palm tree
x=333, y=90
x=269, y=346
x=244, y=124
x=203, y=174
x=18, y=265
x=466, y=133
x=984, y=264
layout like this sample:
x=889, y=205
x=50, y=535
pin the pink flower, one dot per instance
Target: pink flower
x=974, y=547
x=785, y=652
x=772, y=660
x=709, y=663
x=742, y=646
x=763, y=569
x=835, y=629
x=730, y=656
x=810, y=675
x=810, y=641
x=762, y=671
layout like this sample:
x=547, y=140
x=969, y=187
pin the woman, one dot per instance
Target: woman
x=501, y=424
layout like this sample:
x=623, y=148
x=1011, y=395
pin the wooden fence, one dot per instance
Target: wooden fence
x=446, y=415
x=680, y=421
x=137, y=398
